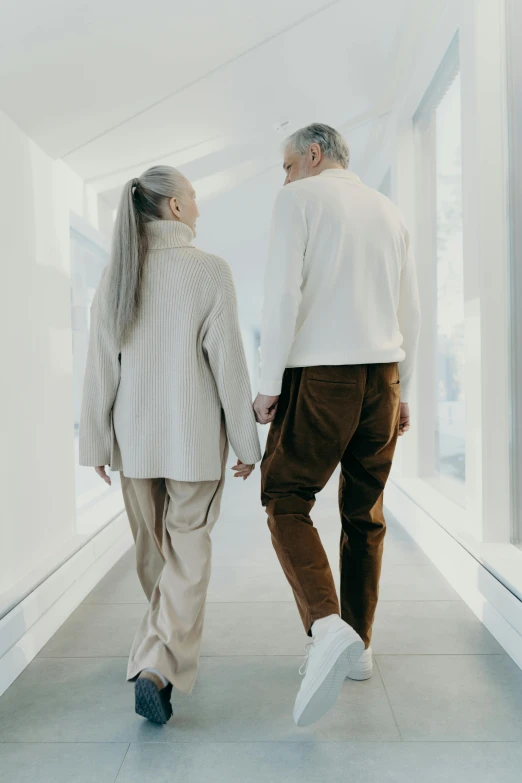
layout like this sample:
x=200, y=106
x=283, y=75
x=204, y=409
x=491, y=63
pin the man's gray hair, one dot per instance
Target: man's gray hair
x=331, y=142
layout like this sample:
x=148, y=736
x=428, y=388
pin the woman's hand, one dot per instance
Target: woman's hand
x=103, y=475
x=243, y=471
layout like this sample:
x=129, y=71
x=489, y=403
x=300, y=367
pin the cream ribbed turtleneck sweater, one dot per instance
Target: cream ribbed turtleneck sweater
x=152, y=408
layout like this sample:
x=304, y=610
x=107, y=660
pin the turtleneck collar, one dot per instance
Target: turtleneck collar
x=168, y=233
x=343, y=173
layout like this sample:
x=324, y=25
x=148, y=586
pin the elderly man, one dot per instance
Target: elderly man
x=341, y=312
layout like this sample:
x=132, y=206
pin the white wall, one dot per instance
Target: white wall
x=37, y=520
x=236, y=226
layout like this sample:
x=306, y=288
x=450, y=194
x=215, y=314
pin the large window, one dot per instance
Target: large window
x=459, y=183
x=439, y=134
x=88, y=258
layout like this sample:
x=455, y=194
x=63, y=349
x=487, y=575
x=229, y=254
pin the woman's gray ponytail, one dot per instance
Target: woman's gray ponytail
x=143, y=200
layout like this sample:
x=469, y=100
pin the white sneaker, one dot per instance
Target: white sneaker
x=334, y=649
x=363, y=669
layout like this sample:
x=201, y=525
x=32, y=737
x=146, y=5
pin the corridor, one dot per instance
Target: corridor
x=444, y=698
x=412, y=106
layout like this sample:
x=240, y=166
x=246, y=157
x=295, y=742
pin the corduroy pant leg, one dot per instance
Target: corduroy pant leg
x=317, y=414
x=365, y=467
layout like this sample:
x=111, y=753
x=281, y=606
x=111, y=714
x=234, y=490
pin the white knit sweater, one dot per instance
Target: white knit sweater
x=152, y=408
x=340, y=284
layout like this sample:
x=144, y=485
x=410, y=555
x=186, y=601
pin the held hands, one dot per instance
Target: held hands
x=103, y=475
x=265, y=408
x=404, y=422
x=243, y=471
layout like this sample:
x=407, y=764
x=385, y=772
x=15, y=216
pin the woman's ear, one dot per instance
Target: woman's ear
x=174, y=207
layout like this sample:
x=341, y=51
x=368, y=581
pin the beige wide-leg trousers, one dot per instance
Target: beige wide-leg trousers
x=171, y=523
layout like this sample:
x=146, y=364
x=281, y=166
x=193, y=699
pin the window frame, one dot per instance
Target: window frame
x=425, y=140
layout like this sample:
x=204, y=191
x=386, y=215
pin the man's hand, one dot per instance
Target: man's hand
x=265, y=408
x=103, y=475
x=404, y=422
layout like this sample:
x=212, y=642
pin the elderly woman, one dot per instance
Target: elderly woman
x=166, y=387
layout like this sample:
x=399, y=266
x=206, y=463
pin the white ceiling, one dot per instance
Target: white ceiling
x=112, y=86
x=115, y=86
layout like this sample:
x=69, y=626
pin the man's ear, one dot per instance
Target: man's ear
x=315, y=154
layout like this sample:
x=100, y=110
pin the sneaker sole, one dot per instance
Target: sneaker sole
x=362, y=675
x=328, y=683
x=359, y=672
x=151, y=703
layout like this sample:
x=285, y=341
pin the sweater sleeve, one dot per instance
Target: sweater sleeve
x=102, y=378
x=409, y=316
x=283, y=279
x=223, y=345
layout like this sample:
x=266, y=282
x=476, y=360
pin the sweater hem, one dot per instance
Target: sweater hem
x=272, y=388
x=189, y=478
x=336, y=359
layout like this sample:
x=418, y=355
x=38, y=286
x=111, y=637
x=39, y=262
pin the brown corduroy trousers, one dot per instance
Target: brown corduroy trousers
x=329, y=415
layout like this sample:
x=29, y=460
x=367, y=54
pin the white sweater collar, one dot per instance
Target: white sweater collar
x=168, y=233
x=344, y=173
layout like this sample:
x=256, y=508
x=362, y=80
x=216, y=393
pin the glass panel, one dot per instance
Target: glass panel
x=87, y=263
x=450, y=428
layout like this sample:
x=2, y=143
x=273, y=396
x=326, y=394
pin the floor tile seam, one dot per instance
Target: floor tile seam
x=144, y=603
x=290, y=602
x=439, y=655
x=312, y=742
x=284, y=601
x=422, y=600
x=277, y=655
x=388, y=700
x=65, y=742
x=323, y=742
x=122, y=763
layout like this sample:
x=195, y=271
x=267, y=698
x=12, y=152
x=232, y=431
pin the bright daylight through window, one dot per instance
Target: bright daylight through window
x=450, y=428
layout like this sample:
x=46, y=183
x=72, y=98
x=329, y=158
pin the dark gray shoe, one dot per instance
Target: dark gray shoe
x=152, y=698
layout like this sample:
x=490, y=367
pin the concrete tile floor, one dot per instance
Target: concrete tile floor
x=445, y=702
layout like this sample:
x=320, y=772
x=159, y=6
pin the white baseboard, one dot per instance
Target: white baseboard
x=30, y=624
x=487, y=597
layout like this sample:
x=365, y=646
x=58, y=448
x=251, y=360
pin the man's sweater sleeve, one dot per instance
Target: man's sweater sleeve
x=409, y=316
x=226, y=355
x=282, y=295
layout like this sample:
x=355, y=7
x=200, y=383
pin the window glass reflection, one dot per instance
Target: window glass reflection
x=450, y=435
